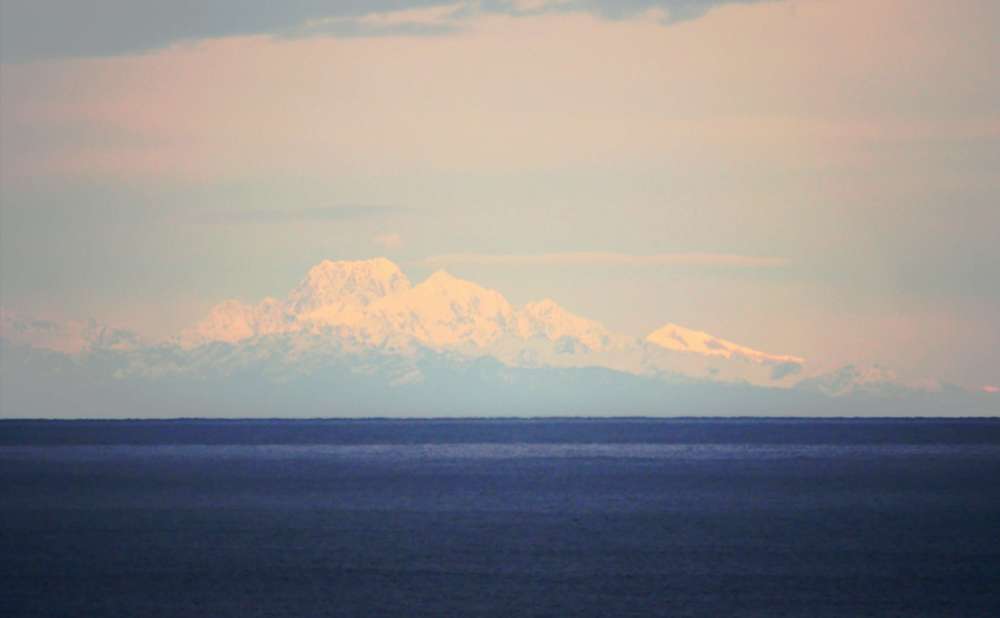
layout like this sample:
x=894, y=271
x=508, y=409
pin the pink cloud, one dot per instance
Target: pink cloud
x=507, y=94
x=591, y=258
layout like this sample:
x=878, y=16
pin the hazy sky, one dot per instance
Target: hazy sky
x=808, y=177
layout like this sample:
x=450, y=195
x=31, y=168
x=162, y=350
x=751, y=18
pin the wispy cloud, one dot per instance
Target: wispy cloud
x=87, y=214
x=414, y=21
x=607, y=258
x=280, y=215
x=56, y=28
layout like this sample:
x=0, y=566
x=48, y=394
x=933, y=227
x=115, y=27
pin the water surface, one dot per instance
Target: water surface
x=499, y=518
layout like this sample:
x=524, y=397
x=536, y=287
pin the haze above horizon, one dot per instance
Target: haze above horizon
x=731, y=190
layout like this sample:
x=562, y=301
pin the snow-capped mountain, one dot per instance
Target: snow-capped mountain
x=68, y=337
x=332, y=294
x=547, y=320
x=339, y=292
x=443, y=311
x=693, y=352
x=371, y=305
x=680, y=339
x=357, y=338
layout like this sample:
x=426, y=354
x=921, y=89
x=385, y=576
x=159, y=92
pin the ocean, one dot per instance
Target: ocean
x=527, y=517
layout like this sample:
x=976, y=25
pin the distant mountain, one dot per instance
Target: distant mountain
x=332, y=294
x=357, y=338
x=371, y=305
x=292, y=376
x=547, y=320
x=678, y=338
x=872, y=381
x=68, y=337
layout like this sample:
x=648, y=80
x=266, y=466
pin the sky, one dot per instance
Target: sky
x=807, y=177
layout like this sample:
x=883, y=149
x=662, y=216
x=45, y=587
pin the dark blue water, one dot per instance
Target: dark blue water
x=500, y=518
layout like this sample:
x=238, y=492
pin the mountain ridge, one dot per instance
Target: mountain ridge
x=365, y=317
x=372, y=303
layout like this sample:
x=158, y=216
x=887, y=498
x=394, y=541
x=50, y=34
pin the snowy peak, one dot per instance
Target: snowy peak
x=444, y=279
x=680, y=339
x=331, y=294
x=443, y=284
x=546, y=319
x=371, y=305
x=333, y=287
x=232, y=321
x=228, y=321
x=445, y=311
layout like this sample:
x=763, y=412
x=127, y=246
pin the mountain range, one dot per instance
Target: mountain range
x=358, y=338
x=371, y=305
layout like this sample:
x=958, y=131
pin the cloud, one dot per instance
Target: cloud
x=53, y=28
x=41, y=29
x=279, y=215
x=989, y=388
x=528, y=6
x=427, y=21
x=79, y=216
x=388, y=240
x=676, y=10
x=607, y=258
x=84, y=214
